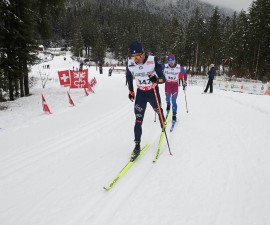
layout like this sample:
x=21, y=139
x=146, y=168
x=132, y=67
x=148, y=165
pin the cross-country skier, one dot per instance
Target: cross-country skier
x=173, y=73
x=147, y=72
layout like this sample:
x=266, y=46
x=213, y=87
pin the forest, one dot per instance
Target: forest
x=199, y=34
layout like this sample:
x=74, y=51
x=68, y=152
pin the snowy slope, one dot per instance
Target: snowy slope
x=53, y=167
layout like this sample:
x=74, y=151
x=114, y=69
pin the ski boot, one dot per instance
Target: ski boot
x=136, y=151
x=174, y=119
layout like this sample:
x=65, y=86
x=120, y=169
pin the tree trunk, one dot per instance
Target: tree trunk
x=16, y=84
x=257, y=62
x=25, y=77
x=10, y=88
x=196, y=60
x=21, y=87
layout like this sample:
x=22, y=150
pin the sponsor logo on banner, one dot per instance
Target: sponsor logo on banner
x=262, y=91
x=246, y=87
x=235, y=86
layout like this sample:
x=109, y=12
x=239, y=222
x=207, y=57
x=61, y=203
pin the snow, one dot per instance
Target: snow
x=53, y=167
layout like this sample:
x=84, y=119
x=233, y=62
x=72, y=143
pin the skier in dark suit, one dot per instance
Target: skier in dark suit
x=147, y=72
x=211, y=75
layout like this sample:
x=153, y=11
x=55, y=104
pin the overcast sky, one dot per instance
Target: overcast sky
x=236, y=5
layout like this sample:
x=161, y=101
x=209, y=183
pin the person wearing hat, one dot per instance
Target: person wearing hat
x=147, y=72
x=174, y=73
x=211, y=75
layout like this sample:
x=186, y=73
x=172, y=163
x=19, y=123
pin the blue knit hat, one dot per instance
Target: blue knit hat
x=136, y=47
x=171, y=58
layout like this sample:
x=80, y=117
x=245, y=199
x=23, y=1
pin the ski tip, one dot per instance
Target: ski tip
x=106, y=188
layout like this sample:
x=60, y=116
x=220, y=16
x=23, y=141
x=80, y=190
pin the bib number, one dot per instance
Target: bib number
x=171, y=78
x=144, y=82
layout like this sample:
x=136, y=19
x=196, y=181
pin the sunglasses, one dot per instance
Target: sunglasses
x=136, y=56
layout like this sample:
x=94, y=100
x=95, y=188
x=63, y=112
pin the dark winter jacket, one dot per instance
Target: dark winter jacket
x=212, y=73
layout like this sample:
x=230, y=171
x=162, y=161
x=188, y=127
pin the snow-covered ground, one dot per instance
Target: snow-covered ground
x=53, y=167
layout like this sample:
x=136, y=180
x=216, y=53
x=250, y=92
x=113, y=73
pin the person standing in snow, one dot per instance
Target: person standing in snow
x=147, y=72
x=100, y=68
x=211, y=75
x=174, y=73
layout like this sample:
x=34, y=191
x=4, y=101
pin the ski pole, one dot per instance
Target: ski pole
x=204, y=84
x=186, y=100
x=161, y=118
x=155, y=117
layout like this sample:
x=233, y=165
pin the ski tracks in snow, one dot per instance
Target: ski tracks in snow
x=76, y=137
x=110, y=202
x=48, y=153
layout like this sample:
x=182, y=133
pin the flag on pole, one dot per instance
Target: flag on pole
x=45, y=107
x=64, y=78
x=89, y=89
x=70, y=100
x=95, y=81
x=79, y=79
x=86, y=92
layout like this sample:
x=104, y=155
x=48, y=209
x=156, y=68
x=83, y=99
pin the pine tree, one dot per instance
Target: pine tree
x=259, y=39
x=213, y=54
x=9, y=34
x=196, y=45
x=77, y=42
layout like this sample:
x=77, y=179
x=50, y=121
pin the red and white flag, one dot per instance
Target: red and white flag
x=95, y=81
x=86, y=92
x=70, y=100
x=64, y=78
x=90, y=88
x=45, y=107
x=79, y=78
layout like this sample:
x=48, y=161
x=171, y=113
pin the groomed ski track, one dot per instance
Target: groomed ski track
x=219, y=172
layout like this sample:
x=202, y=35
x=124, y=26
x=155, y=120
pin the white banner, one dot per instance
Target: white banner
x=251, y=88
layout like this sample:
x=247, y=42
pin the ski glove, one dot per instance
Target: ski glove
x=131, y=95
x=153, y=78
x=184, y=86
